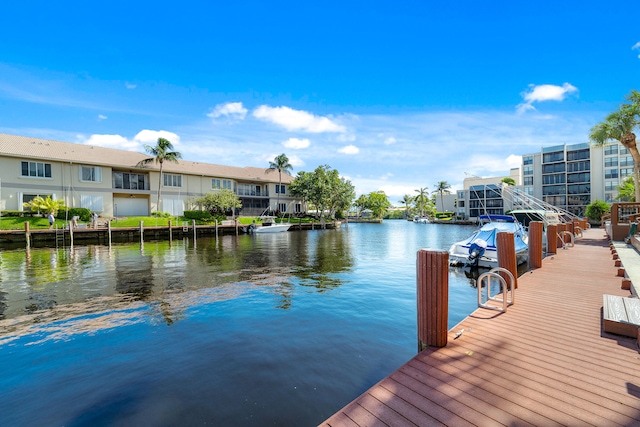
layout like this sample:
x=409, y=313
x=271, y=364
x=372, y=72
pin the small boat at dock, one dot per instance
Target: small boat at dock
x=479, y=249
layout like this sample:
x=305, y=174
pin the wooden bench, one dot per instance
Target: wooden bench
x=621, y=315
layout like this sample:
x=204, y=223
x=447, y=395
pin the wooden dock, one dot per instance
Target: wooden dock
x=545, y=362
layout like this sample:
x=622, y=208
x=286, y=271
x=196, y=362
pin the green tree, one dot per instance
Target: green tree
x=627, y=190
x=596, y=209
x=378, y=203
x=281, y=164
x=219, y=202
x=508, y=181
x=619, y=126
x=442, y=187
x=44, y=206
x=360, y=204
x=161, y=152
x=421, y=200
x=406, y=201
x=324, y=190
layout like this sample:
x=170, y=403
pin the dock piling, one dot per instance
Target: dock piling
x=433, y=298
x=507, y=255
x=535, y=244
x=552, y=238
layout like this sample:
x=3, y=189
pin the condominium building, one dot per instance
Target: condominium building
x=482, y=196
x=572, y=176
x=110, y=182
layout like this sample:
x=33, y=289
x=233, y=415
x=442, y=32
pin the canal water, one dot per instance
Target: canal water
x=249, y=330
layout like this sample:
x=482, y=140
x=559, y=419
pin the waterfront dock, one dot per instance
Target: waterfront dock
x=546, y=361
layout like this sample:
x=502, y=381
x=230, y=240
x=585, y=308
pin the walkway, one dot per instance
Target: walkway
x=545, y=362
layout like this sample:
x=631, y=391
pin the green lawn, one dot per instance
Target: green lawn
x=17, y=223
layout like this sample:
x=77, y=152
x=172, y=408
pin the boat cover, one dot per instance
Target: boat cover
x=488, y=233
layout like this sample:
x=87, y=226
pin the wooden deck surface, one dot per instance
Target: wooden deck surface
x=545, y=362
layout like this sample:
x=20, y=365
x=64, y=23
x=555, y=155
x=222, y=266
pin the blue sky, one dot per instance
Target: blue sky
x=394, y=95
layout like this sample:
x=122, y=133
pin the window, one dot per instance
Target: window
x=553, y=157
x=528, y=190
x=626, y=161
x=26, y=198
x=527, y=160
x=553, y=179
x=528, y=180
x=91, y=202
x=610, y=161
x=610, y=185
x=611, y=149
x=623, y=151
x=626, y=172
x=579, y=166
x=579, y=189
x=527, y=170
x=611, y=173
x=174, y=207
x=221, y=184
x=279, y=189
x=579, y=177
x=578, y=155
x=282, y=207
x=249, y=190
x=130, y=181
x=36, y=169
x=558, y=167
x=90, y=173
x=171, y=180
x=297, y=208
x=553, y=190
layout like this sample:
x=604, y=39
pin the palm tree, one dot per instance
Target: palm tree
x=161, y=152
x=442, y=187
x=44, y=206
x=508, y=181
x=619, y=126
x=421, y=199
x=280, y=164
x=406, y=201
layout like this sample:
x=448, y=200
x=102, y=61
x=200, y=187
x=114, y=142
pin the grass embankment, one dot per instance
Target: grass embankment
x=35, y=223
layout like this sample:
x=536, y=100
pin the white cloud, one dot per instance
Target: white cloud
x=636, y=46
x=349, y=149
x=296, y=143
x=102, y=117
x=130, y=86
x=232, y=110
x=113, y=141
x=296, y=161
x=136, y=144
x=390, y=140
x=541, y=93
x=296, y=120
x=151, y=136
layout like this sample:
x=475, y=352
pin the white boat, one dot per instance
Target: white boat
x=480, y=248
x=263, y=229
x=421, y=220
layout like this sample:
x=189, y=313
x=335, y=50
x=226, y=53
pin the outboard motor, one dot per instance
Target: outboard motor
x=476, y=250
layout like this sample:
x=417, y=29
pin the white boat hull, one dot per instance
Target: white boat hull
x=276, y=228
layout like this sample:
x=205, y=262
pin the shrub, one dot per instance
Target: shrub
x=198, y=215
x=596, y=209
x=83, y=213
x=15, y=213
x=161, y=214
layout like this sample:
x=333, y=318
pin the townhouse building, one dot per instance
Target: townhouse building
x=110, y=182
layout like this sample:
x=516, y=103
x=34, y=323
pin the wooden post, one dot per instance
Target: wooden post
x=433, y=298
x=552, y=238
x=170, y=233
x=193, y=223
x=109, y=232
x=216, y=230
x=70, y=225
x=507, y=256
x=568, y=227
x=535, y=244
x=27, y=233
x=141, y=232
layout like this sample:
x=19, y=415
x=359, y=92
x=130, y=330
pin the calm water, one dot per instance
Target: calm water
x=246, y=331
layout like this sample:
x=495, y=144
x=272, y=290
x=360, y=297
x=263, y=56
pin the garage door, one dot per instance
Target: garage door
x=130, y=206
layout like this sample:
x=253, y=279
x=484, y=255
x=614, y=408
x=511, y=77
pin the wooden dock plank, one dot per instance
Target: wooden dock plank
x=546, y=361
